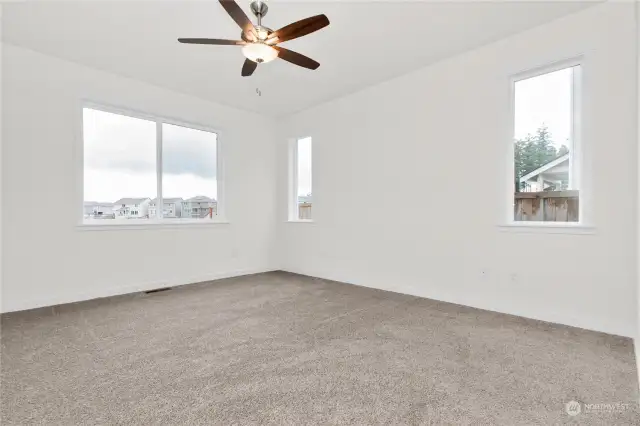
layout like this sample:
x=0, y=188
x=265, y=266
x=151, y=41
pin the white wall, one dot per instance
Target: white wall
x=394, y=209
x=47, y=260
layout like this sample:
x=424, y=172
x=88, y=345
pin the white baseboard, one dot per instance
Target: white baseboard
x=598, y=325
x=116, y=291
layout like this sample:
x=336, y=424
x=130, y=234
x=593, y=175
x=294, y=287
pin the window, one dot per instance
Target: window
x=546, y=144
x=132, y=164
x=301, y=198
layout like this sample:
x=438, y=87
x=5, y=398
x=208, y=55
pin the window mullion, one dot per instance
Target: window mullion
x=577, y=151
x=295, y=208
x=220, y=196
x=160, y=202
x=572, y=146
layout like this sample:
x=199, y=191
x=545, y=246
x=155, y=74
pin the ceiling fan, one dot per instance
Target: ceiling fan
x=260, y=43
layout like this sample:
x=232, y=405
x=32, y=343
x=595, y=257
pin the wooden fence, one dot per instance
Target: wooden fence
x=552, y=206
x=304, y=211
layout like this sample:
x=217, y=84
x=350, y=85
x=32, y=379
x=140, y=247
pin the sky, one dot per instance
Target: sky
x=304, y=166
x=120, y=159
x=545, y=99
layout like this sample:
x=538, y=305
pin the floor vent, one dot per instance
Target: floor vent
x=157, y=290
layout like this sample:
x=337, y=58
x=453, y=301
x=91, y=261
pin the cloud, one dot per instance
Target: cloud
x=188, y=151
x=120, y=143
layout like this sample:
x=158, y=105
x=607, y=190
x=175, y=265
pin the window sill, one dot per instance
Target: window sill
x=149, y=225
x=548, y=228
x=300, y=221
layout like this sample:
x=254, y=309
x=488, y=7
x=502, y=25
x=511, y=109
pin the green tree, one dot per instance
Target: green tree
x=534, y=151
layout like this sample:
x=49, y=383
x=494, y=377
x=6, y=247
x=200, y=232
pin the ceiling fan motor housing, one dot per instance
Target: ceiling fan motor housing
x=261, y=31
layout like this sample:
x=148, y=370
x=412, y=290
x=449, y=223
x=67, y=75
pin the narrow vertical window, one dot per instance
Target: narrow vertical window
x=546, y=179
x=302, y=194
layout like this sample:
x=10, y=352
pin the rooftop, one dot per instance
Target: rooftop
x=167, y=200
x=131, y=200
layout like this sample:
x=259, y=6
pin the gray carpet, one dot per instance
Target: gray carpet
x=279, y=348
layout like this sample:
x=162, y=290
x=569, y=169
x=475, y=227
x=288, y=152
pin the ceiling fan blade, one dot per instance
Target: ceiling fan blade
x=240, y=17
x=216, y=41
x=298, y=29
x=249, y=67
x=296, y=58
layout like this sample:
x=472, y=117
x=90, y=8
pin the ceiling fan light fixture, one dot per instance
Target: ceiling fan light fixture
x=260, y=43
x=259, y=52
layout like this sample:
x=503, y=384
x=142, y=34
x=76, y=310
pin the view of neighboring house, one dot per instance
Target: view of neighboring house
x=172, y=207
x=93, y=209
x=553, y=176
x=131, y=208
x=199, y=207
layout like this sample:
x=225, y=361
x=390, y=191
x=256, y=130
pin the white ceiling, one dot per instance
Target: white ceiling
x=366, y=43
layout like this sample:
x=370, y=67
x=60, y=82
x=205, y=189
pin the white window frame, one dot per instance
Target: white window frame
x=292, y=208
x=157, y=222
x=577, y=160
